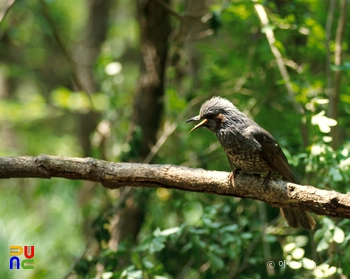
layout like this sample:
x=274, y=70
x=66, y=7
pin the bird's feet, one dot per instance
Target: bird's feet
x=266, y=180
x=231, y=177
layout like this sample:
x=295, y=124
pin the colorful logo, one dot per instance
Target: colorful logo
x=16, y=263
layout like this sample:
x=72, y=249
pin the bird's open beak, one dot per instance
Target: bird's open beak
x=197, y=118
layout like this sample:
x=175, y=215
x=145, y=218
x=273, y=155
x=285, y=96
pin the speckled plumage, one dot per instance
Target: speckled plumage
x=249, y=148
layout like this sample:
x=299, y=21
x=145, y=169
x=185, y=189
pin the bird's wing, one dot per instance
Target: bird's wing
x=271, y=152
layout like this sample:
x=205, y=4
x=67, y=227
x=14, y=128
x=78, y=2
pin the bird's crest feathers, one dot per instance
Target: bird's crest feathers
x=217, y=105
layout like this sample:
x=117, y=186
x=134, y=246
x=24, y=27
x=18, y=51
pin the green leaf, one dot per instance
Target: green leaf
x=322, y=245
x=227, y=238
x=247, y=235
x=231, y=253
x=216, y=262
x=135, y=274
x=267, y=27
x=328, y=223
x=343, y=67
x=335, y=174
x=208, y=222
x=147, y=264
x=157, y=244
x=198, y=242
x=270, y=238
x=229, y=228
x=198, y=231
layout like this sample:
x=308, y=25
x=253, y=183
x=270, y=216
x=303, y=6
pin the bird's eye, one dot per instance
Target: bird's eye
x=210, y=116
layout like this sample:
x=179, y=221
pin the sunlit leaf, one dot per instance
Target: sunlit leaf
x=322, y=245
x=308, y=264
x=298, y=253
x=107, y=275
x=338, y=235
x=289, y=247
x=113, y=68
x=169, y=231
x=329, y=224
x=323, y=122
x=295, y=264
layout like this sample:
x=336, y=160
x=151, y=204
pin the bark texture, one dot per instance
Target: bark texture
x=154, y=24
x=114, y=175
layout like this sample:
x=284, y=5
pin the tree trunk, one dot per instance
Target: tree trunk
x=334, y=97
x=85, y=55
x=154, y=23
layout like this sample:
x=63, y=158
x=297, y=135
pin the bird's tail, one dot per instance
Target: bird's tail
x=296, y=218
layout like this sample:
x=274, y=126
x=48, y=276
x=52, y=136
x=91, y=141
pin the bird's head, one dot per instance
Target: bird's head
x=216, y=113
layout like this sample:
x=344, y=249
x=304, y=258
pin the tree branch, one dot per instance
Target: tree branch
x=5, y=9
x=114, y=175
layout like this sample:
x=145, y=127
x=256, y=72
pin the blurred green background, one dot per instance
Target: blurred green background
x=116, y=80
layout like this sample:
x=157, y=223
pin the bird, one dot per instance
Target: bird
x=249, y=148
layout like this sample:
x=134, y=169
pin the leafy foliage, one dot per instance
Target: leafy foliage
x=183, y=235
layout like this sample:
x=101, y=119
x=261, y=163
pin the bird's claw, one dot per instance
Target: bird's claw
x=266, y=180
x=232, y=175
